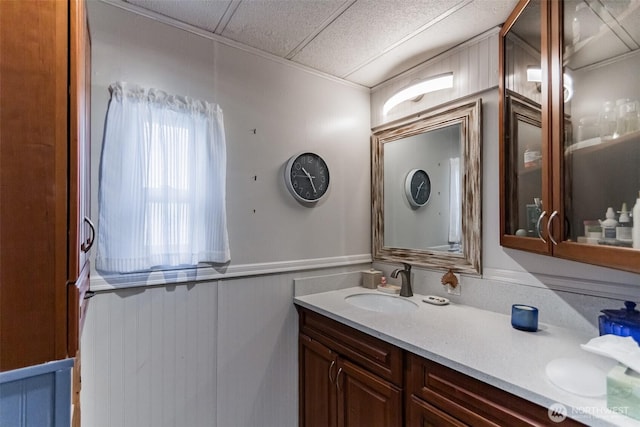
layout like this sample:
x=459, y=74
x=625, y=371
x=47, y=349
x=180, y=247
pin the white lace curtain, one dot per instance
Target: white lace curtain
x=162, y=182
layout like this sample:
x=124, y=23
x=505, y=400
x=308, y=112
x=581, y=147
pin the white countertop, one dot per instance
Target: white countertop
x=481, y=344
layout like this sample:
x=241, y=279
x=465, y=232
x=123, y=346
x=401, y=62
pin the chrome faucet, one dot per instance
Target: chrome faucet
x=405, y=290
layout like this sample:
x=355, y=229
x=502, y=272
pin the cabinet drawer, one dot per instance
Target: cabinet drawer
x=469, y=400
x=421, y=414
x=377, y=356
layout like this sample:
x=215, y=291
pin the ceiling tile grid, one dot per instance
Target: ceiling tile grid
x=204, y=14
x=365, y=42
x=278, y=26
x=365, y=30
x=438, y=38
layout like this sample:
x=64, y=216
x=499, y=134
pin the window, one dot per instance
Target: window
x=162, y=182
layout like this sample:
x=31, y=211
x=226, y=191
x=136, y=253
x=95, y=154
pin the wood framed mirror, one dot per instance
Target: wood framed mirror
x=445, y=232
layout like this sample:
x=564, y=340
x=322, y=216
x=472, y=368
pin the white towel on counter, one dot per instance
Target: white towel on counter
x=623, y=349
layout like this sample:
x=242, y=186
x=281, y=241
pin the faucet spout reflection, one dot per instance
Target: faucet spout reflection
x=405, y=289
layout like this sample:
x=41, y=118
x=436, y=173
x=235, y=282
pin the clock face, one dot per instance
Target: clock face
x=307, y=177
x=417, y=187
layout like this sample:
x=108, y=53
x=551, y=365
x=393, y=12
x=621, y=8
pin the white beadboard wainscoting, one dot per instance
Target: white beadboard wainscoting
x=149, y=357
x=218, y=353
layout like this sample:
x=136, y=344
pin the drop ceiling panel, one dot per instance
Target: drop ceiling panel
x=365, y=30
x=204, y=14
x=434, y=40
x=363, y=41
x=279, y=26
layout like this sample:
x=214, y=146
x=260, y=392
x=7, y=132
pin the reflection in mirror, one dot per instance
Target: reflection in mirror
x=524, y=124
x=409, y=223
x=438, y=152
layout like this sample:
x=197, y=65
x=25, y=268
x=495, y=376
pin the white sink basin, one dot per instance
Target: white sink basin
x=382, y=303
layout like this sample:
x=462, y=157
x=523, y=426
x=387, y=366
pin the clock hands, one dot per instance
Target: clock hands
x=419, y=188
x=310, y=179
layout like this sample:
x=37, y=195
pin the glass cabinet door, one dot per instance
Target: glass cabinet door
x=597, y=111
x=524, y=152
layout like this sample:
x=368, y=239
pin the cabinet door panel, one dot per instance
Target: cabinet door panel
x=33, y=187
x=596, y=134
x=81, y=232
x=377, y=356
x=317, y=387
x=366, y=400
x=77, y=309
x=524, y=150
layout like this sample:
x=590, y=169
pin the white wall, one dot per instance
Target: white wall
x=290, y=110
x=224, y=351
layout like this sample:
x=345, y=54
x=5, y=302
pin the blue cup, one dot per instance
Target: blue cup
x=524, y=317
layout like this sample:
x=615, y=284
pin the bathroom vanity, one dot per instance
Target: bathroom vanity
x=450, y=365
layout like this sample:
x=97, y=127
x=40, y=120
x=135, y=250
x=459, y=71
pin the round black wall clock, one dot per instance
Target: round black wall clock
x=417, y=187
x=306, y=176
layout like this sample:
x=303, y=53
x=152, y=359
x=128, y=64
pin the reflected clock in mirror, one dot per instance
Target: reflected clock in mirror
x=417, y=187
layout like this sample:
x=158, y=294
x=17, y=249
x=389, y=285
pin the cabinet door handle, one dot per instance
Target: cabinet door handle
x=338, y=379
x=555, y=213
x=538, y=225
x=333, y=362
x=86, y=246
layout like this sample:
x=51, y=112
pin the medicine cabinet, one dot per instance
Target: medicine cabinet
x=570, y=134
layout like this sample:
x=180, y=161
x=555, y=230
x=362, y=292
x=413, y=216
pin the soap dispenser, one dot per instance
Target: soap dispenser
x=609, y=225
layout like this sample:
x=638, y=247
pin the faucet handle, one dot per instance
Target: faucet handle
x=407, y=267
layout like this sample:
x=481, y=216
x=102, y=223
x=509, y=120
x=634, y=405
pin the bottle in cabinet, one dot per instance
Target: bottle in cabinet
x=623, y=230
x=636, y=223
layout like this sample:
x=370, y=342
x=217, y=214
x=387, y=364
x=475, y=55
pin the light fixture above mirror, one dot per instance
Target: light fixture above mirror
x=418, y=89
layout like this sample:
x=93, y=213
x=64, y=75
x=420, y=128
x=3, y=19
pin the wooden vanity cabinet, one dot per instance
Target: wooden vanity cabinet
x=347, y=378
